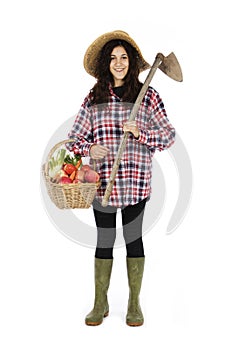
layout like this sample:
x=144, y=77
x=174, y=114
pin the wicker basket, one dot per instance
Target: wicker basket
x=68, y=196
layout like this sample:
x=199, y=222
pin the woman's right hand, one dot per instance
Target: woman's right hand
x=98, y=151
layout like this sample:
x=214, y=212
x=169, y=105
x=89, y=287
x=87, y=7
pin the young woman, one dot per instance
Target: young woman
x=115, y=60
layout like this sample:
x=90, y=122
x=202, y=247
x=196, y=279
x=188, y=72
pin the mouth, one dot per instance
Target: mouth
x=119, y=70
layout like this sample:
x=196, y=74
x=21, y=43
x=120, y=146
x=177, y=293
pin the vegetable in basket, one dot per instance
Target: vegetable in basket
x=69, y=168
x=56, y=162
x=76, y=160
x=65, y=169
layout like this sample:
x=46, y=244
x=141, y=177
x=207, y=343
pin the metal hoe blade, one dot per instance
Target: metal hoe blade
x=170, y=66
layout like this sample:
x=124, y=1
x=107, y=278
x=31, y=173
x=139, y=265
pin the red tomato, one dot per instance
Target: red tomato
x=69, y=168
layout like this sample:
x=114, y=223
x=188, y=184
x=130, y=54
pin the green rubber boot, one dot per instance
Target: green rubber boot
x=103, y=269
x=135, y=268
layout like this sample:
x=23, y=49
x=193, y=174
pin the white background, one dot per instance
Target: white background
x=46, y=279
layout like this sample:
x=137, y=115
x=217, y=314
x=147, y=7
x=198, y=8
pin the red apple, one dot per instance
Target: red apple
x=80, y=175
x=86, y=167
x=61, y=173
x=65, y=180
x=91, y=176
x=76, y=181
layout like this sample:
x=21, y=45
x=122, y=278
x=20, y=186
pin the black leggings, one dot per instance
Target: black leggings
x=132, y=218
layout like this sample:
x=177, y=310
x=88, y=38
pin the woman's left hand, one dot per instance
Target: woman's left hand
x=131, y=127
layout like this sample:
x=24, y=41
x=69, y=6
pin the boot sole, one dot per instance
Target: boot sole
x=134, y=324
x=89, y=323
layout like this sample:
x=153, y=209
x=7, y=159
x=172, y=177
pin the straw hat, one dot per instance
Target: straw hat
x=92, y=54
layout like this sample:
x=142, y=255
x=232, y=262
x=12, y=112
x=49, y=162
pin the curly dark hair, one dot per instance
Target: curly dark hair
x=100, y=92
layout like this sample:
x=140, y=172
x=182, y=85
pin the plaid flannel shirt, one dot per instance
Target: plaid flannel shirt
x=102, y=124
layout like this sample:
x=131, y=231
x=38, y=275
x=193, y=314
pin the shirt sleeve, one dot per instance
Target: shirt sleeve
x=160, y=134
x=81, y=131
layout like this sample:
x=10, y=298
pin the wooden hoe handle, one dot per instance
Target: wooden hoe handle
x=108, y=191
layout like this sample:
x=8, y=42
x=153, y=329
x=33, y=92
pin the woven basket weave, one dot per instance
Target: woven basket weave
x=68, y=196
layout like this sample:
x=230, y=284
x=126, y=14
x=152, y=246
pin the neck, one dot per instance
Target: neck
x=118, y=83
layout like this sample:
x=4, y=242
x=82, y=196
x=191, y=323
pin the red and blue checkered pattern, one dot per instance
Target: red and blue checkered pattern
x=102, y=124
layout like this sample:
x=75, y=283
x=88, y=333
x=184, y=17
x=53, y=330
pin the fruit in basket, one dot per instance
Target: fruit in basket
x=80, y=174
x=59, y=174
x=76, y=181
x=91, y=176
x=65, y=180
x=86, y=167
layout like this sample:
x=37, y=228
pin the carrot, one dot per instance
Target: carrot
x=72, y=176
x=78, y=163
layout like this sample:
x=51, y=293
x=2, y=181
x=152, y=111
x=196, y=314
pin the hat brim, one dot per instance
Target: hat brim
x=92, y=53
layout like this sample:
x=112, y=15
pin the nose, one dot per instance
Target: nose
x=118, y=61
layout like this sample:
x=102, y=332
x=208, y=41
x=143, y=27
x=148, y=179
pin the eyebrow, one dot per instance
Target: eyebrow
x=124, y=54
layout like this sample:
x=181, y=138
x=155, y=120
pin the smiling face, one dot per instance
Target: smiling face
x=119, y=65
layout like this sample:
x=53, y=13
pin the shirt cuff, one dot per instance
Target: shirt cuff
x=86, y=149
x=83, y=150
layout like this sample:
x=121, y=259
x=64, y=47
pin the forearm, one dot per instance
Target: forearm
x=160, y=139
x=81, y=131
x=80, y=145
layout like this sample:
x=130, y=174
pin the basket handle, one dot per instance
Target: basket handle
x=59, y=144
